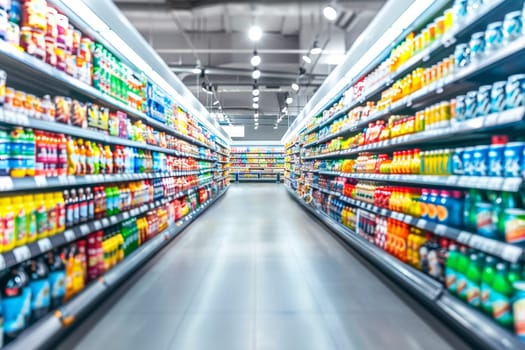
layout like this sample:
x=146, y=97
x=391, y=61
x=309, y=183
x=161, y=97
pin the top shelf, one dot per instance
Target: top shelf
x=27, y=72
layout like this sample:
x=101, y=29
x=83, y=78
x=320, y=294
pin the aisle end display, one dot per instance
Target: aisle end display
x=257, y=163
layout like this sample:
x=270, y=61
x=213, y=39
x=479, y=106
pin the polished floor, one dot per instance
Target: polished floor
x=256, y=272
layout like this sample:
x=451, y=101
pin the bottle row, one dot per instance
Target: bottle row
x=482, y=281
x=31, y=289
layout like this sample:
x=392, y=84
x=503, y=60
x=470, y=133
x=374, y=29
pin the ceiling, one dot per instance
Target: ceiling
x=213, y=34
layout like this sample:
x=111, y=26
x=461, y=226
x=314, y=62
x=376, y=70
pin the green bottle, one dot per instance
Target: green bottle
x=109, y=200
x=461, y=273
x=473, y=276
x=501, y=293
x=450, y=268
x=475, y=197
x=505, y=200
x=514, y=273
x=487, y=278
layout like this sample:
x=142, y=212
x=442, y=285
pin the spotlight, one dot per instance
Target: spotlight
x=330, y=13
x=256, y=74
x=255, y=92
x=255, y=33
x=255, y=106
x=295, y=87
x=256, y=99
x=316, y=50
x=289, y=100
x=307, y=59
x=256, y=59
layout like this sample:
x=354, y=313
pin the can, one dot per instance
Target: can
x=468, y=161
x=483, y=100
x=515, y=91
x=493, y=36
x=496, y=160
x=470, y=105
x=513, y=158
x=460, y=10
x=477, y=45
x=512, y=25
x=460, y=107
x=497, y=97
x=457, y=162
x=480, y=160
x=461, y=55
x=518, y=309
x=485, y=225
x=514, y=225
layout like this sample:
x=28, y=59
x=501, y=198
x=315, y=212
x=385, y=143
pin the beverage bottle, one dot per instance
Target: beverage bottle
x=31, y=224
x=82, y=205
x=13, y=302
x=52, y=161
x=75, y=207
x=90, y=158
x=41, y=154
x=57, y=278
x=8, y=218
x=26, y=292
x=103, y=202
x=100, y=161
x=62, y=156
x=117, y=207
x=501, y=293
x=29, y=140
x=487, y=279
x=432, y=205
x=90, y=204
x=20, y=221
x=442, y=207
x=461, y=273
x=505, y=200
x=60, y=210
x=39, y=285
x=69, y=209
x=515, y=274
x=41, y=216
x=455, y=209
x=109, y=160
x=72, y=156
x=473, y=276
x=81, y=152
x=92, y=260
x=51, y=208
x=109, y=201
x=423, y=204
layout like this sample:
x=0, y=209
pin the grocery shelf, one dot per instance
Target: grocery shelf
x=221, y=153
x=32, y=250
x=9, y=184
x=256, y=153
x=479, y=328
x=32, y=70
x=508, y=184
x=502, y=250
x=43, y=333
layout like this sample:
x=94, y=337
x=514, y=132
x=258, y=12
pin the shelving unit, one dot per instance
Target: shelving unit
x=381, y=144
x=257, y=164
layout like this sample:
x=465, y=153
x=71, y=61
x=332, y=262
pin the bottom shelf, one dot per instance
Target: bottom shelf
x=47, y=330
x=480, y=329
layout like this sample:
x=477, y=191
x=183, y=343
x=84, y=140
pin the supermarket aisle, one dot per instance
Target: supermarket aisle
x=256, y=272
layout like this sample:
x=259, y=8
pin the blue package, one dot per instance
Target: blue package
x=460, y=107
x=477, y=45
x=494, y=36
x=512, y=25
x=483, y=100
x=480, y=160
x=457, y=162
x=515, y=91
x=462, y=55
x=470, y=105
x=496, y=158
x=497, y=97
x=468, y=161
x=513, y=159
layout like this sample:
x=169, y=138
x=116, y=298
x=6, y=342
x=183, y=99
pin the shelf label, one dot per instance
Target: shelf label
x=440, y=230
x=113, y=220
x=69, y=235
x=6, y=183
x=511, y=184
x=125, y=215
x=2, y=262
x=105, y=222
x=97, y=225
x=464, y=237
x=422, y=224
x=44, y=245
x=512, y=253
x=84, y=230
x=491, y=120
x=40, y=181
x=22, y=253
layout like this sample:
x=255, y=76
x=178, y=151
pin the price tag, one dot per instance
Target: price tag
x=511, y=116
x=464, y=237
x=512, y=253
x=97, y=225
x=22, y=253
x=422, y=224
x=511, y=184
x=105, y=222
x=69, y=235
x=125, y=215
x=6, y=183
x=464, y=181
x=113, y=220
x=84, y=229
x=2, y=262
x=491, y=119
x=440, y=230
x=40, y=181
x=384, y=212
x=44, y=245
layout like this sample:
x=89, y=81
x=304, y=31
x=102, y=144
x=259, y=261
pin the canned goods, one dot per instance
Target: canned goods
x=518, y=309
x=470, y=105
x=462, y=55
x=494, y=36
x=497, y=97
x=460, y=107
x=515, y=91
x=457, y=162
x=480, y=159
x=495, y=160
x=513, y=159
x=477, y=45
x=483, y=100
x=512, y=25
x=514, y=225
x=468, y=161
x=485, y=219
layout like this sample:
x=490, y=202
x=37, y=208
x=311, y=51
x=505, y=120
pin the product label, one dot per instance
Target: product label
x=57, y=281
x=27, y=302
x=515, y=230
x=40, y=294
x=41, y=221
x=9, y=230
x=431, y=211
x=442, y=213
x=501, y=310
x=486, y=302
x=461, y=286
x=473, y=294
x=450, y=280
x=484, y=222
x=14, y=316
x=51, y=221
x=20, y=226
x=518, y=309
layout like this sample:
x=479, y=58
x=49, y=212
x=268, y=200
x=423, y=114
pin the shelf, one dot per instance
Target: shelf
x=508, y=184
x=502, y=250
x=31, y=250
x=333, y=193
x=479, y=328
x=257, y=153
x=53, y=325
x=45, y=75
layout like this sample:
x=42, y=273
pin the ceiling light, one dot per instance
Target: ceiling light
x=216, y=103
x=255, y=92
x=196, y=70
x=316, y=50
x=256, y=127
x=256, y=99
x=330, y=13
x=255, y=33
x=220, y=108
x=256, y=59
x=256, y=74
x=255, y=106
x=307, y=59
x=207, y=88
x=284, y=109
x=295, y=87
x=256, y=115
x=275, y=127
x=289, y=100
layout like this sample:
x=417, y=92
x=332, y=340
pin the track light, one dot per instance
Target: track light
x=289, y=100
x=256, y=115
x=207, y=88
x=255, y=92
x=256, y=59
x=255, y=106
x=216, y=103
x=255, y=33
x=302, y=71
x=285, y=109
x=256, y=74
x=330, y=13
x=316, y=50
x=307, y=59
x=295, y=87
x=256, y=99
x=275, y=127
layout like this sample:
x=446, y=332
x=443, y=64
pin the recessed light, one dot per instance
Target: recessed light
x=255, y=33
x=330, y=13
x=307, y=59
x=295, y=87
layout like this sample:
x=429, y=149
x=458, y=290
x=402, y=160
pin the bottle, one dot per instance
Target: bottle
x=455, y=209
x=90, y=159
x=98, y=161
x=13, y=302
x=109, y=160
x=505, y=200
x=31, y=225
x=82, y=205
x=69, y=209
x=57, y=278
x=41, y=216
x=8, y=218
x=432, y=205
x=72, y=156
x=423, y=203
x=75, y=207
x=60, y=210
x=442, y=207
x=39, y=284
x=20, y=221
x=473, y=276
x=501, y=294
x=52, y=228
x=461, y=271
x=90, y=204
x=487, y=279
x=81, y=152
x=109, y=201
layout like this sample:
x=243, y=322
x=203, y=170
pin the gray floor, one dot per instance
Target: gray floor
x=256, y=272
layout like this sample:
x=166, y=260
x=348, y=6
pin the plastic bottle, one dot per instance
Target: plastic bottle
x=109, y=160
x=109, y=201
x=60, y=212
x=474, y=280
x=30, y=151
x=14, y=302
x=82, y=205
x=461, y=271
x=20, y=221
x=505, y=200
x=455, y=209
x=98, y=160
x=442, y=207
x=450, y=269
x=8, y=219
x=423, y=203
x=432, y=205
x=31, y=224
x=487, y=279
x=90, y=204
x=39, y=284
x=57, y=278
x=501, y=294
x=75, y=206
x=41, y=216
x=81, y=151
